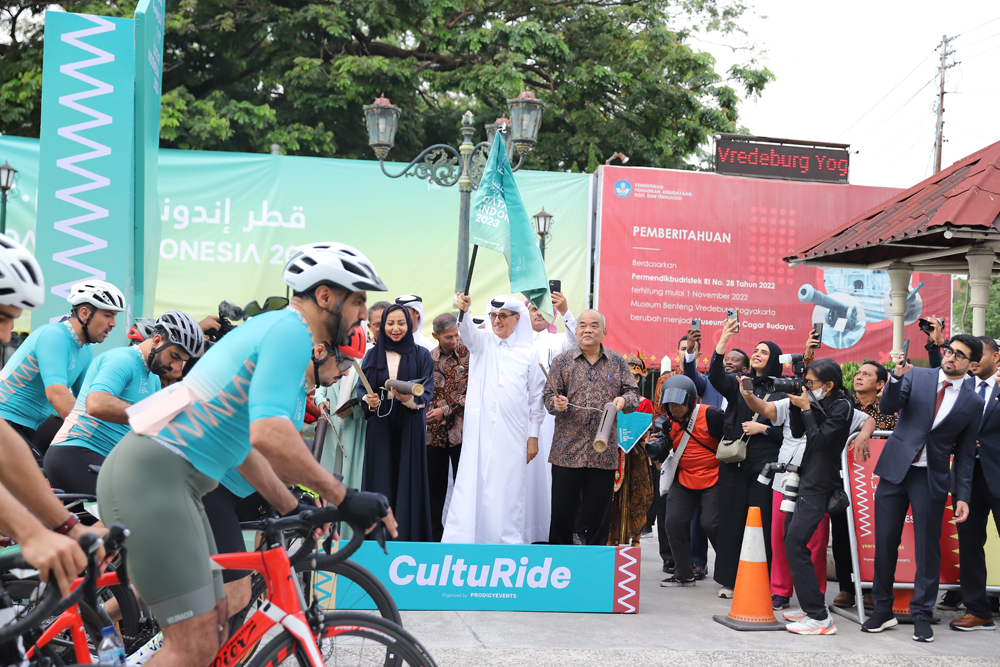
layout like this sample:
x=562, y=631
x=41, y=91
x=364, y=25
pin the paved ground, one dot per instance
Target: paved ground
x=675, y=627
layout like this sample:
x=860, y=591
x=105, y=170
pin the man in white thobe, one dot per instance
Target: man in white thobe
x=415, y=305
x=503, y=415
x=549, y=344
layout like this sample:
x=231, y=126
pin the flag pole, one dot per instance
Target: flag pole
x=468, y=280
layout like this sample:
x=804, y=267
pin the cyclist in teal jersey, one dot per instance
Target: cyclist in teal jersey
x=29, y=512
x=227, y=504
x=46, y=372
x=116, y=380
x=235, y=408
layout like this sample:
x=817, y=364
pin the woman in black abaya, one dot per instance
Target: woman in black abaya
x=395, y=445
x=739, y=489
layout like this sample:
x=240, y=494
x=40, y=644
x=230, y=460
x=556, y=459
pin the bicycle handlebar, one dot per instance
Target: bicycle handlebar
x=52, y=603
x=74, y=497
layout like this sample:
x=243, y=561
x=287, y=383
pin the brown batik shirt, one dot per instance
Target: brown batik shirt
x=882, y=422
x=451, y=379
x=589, y=386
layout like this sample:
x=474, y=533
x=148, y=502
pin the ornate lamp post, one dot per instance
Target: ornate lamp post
x=445, y=166
x=7, y=174
x=543, y=221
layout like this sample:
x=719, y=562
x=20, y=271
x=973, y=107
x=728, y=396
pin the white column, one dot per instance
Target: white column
x=980, y=261
x=899, y=279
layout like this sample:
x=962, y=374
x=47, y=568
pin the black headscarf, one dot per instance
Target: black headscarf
x=405, y=346
x=773, y=367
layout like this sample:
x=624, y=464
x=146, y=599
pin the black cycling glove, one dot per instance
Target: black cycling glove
x=365, y=507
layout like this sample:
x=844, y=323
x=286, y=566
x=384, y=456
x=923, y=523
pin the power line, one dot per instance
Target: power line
x=981, y=53
x=984, y=39
x=889, y=93
x=977, y=27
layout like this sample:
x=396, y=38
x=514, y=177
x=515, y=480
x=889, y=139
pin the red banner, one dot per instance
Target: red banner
x=864, y=481
x=676, y=246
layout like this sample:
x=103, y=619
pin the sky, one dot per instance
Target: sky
x=865, y=73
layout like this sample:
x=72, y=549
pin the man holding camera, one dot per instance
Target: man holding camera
x=587, y=378
x=939, y=413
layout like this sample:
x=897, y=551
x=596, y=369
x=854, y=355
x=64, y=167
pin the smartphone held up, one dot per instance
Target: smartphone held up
x=734, y=315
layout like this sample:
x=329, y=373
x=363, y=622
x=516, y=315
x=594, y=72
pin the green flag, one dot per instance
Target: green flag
x=500, y=222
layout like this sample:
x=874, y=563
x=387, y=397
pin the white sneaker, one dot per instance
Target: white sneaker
x=726, y=593
x=810, y=626
x=795, y=615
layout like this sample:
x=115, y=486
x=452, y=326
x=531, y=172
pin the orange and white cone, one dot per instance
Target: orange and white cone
x=751, y=608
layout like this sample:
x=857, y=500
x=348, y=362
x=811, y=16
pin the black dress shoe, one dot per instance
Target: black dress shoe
x=878, y=622
x=668, y=568
x=950, y=601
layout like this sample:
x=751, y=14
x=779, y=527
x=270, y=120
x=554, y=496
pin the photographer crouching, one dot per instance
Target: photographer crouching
x=692, y=435
x=822, y=412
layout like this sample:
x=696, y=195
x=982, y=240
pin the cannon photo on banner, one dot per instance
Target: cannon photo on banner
x=854, y=299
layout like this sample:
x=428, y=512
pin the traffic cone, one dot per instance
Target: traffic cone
x=751, y=608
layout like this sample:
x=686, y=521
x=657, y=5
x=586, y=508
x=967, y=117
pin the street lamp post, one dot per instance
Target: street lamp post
x=7, y=174
x=543, y=221
x=444, y=166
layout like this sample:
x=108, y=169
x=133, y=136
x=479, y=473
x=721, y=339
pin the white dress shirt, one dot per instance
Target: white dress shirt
x=950, y=396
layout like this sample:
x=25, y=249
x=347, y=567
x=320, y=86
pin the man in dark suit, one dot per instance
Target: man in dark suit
x=939, y=414
x=985, y=498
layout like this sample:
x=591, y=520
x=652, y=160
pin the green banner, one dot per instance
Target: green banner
x=500, y=222
x=85, y=195
x=230, y=220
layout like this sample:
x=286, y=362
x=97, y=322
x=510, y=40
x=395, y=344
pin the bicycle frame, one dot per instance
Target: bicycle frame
x=282, y=594
x=72, y=621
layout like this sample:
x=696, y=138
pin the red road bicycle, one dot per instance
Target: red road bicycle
x=306, y=636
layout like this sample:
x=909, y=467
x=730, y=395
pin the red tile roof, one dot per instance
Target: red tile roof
x=965, y=195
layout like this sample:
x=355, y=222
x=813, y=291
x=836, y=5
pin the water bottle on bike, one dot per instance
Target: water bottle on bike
x=111, y=651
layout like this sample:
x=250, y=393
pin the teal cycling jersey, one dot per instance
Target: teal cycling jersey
x=257, y=371
x=52, y=355
x=121, y=372
x=238, y=484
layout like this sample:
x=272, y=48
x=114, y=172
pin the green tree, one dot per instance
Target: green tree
x=617, y=75
x=992, y=311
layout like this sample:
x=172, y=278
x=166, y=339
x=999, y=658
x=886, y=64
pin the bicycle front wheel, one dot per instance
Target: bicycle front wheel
x=357, y=590
x=362, y=640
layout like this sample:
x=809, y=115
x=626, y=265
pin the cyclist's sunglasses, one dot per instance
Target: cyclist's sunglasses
x=344, y=362
x=253, y=309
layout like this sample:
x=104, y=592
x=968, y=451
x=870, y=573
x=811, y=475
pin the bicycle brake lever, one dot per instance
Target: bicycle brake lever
x=380, y=536
x=328, y=543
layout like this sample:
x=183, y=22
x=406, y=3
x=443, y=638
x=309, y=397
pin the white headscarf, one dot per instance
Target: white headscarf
x=523, y=332
x=416, y=303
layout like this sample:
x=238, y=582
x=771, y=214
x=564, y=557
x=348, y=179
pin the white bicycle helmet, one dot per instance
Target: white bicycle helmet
x=181, y=330
x=334, y=263
x=21, y=282
x=99, y=293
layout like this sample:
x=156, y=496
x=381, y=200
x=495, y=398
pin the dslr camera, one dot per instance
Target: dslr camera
x=789, y=485
x=660, y=446
x=792, y=385
x=925, y=324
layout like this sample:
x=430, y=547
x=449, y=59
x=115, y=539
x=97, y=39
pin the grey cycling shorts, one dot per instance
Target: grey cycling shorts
x=156, y=494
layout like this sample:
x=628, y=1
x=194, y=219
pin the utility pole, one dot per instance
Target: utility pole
x=939, y=131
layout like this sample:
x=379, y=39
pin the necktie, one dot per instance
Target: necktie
x=982, y=389
x=937, y=406
x=940, y=397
